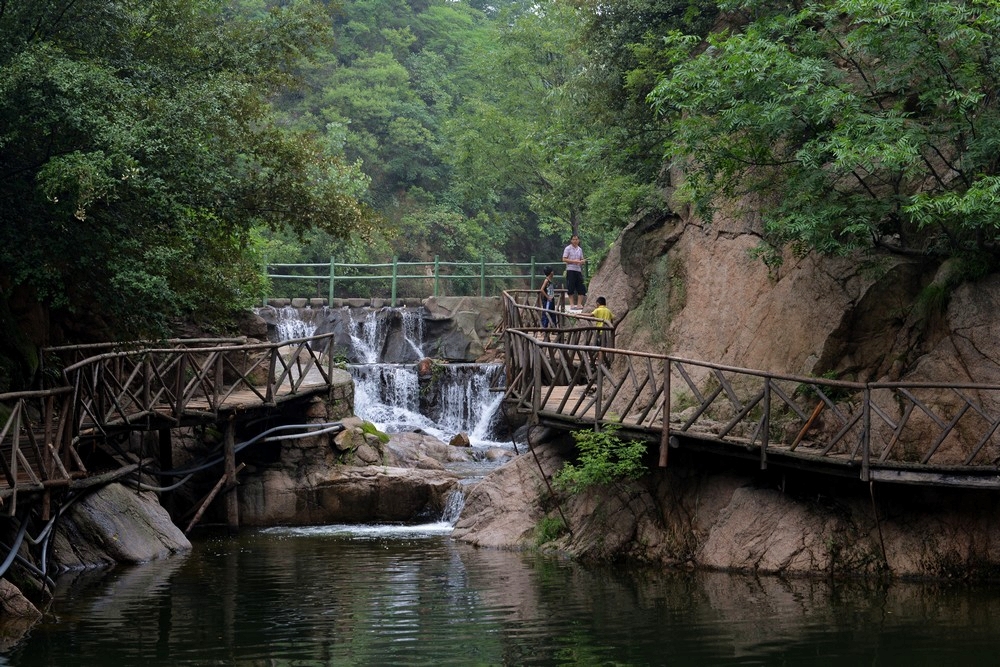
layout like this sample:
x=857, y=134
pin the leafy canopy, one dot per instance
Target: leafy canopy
x=139, y=152
x=848, y=124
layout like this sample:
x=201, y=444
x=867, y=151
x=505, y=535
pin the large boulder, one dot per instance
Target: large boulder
x=355, y=477
x=349, y=494
x=17, y=615
x=115, y=524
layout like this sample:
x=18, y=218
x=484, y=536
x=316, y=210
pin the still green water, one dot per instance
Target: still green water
x=339, y=596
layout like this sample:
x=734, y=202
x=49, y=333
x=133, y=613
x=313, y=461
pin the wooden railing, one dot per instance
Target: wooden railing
x=35, y=450
x=899, y=431
x=126, y=387
x=132, y=386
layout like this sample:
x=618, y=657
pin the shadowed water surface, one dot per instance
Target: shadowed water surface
x=342, y=595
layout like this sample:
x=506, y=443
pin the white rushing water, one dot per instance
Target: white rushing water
x=388, y=395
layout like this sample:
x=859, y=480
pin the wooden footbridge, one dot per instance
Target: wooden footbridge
x=97, y=392
x=929, y=433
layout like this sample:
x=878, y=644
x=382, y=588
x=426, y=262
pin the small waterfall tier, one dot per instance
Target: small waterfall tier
x=452, y=398
x=397, y=387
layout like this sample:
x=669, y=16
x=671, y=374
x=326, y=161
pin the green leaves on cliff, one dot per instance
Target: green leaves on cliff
x=847, y=124
x=138, y=151
x=603, y=459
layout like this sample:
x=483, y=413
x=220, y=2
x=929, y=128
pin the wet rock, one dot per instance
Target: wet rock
x=115, y=524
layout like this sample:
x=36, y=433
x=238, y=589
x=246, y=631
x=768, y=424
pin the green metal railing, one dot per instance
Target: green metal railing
x=334, y=274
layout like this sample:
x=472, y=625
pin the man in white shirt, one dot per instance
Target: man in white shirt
x=573, y=257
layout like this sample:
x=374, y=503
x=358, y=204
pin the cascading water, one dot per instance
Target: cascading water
x=291, y=325
x=389, y=394
x=456, y=398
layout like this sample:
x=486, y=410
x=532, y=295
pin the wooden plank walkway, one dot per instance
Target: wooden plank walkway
x=146, y=387
x=918, y=433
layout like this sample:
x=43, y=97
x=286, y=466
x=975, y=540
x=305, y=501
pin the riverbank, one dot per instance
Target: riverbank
x=705, y=514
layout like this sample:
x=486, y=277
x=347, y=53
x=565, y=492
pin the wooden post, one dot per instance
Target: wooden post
x=665, y=430
x=333, y=279
x=599, y=399
x=866, y=436
x=166, y=457
x=765, y=424
x=536, y=395
x=232, y=497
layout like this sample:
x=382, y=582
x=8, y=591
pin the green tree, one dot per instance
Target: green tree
x=849, y=124
x=138, y=154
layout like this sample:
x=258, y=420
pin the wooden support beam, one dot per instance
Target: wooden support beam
x=211, y=496
x=232, y=500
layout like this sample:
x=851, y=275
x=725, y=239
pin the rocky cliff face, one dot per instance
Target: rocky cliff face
x=698, y=291
x=702, y=514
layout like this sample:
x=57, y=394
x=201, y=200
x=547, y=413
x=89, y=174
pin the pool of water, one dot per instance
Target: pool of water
x=355, y=595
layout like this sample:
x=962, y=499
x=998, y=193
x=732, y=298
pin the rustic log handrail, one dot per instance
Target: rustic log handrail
x=924, y=432
x=130, y=386
x=121, y=387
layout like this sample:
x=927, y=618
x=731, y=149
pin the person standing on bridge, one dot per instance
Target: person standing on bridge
x=603, y=313
x=574, y=260
x=548, y=292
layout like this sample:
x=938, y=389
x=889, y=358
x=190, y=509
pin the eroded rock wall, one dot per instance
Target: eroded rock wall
x=704, y=515
x=700, y=291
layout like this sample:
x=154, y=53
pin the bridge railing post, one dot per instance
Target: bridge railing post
x=395, y=277
x=866, y=435
x=333, y=279
x=765, y=424
x=482, y=276
x=536, y=382
x=437, y=274
x=665, y=431
x=599, y=397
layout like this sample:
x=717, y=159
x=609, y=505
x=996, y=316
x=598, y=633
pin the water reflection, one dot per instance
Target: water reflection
x=366, y=596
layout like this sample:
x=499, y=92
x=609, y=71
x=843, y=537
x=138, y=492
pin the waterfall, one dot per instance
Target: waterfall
x=392, y=395
x=368, y=336
x=413, y=330
x=453, y=507
x=388, y=395
x=291, y=325
x=467, y=403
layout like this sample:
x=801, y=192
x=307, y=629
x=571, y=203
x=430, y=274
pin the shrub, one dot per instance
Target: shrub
x=604, y=458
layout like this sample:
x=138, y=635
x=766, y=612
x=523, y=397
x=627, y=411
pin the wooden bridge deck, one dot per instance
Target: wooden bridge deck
x=108, y=390
x=931, y=433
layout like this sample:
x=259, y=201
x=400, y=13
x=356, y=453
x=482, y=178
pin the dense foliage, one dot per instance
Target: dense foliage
x=604, y=458
x=155, y=153
x=139, y=153
x=493, y=130
x=847, y=124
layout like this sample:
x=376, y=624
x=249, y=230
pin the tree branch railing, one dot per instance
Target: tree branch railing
x=886, y=430
x=35, y=437
x=122, y=388
x=128, y=386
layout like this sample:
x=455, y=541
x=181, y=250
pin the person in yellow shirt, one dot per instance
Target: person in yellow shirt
x=602, y=312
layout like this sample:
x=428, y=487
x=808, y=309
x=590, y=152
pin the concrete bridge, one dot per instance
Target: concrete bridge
x=572, y=376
